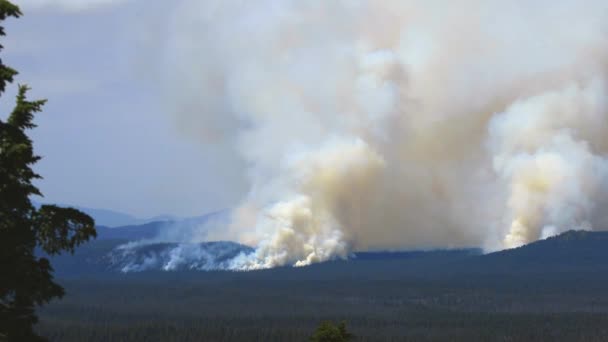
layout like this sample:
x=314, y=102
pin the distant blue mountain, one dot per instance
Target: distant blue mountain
x=172, y=230
x=573, y=251
x=132, y=232
x=111, y=218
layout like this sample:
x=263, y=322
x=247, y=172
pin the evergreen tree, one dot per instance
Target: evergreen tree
x=329, y=332
x=26, y=279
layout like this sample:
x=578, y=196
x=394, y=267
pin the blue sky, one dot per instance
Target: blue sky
x=106, y=136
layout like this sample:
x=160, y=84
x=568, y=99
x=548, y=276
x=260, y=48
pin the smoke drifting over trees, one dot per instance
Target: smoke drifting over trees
x=398, y=124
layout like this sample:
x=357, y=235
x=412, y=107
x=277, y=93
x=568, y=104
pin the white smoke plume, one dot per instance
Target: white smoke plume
x=145, y=256
x=397, y=124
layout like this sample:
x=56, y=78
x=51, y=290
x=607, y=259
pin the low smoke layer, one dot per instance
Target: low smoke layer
x=146, y=256
x=372, y=125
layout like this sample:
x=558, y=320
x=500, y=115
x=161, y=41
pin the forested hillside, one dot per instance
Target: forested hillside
x=517, y=295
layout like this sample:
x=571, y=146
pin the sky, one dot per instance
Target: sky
x=105, y=135
x=326, y=126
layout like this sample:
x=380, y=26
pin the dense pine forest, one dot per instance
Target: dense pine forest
x=558, y=293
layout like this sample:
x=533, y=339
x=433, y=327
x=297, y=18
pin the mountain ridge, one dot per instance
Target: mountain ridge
x=570, y=251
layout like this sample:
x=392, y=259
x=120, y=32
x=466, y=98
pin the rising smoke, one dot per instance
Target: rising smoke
x=398, y=124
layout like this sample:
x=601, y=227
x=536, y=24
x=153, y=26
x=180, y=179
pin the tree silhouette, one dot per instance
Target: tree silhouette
x=26, y=279
x=329, y=332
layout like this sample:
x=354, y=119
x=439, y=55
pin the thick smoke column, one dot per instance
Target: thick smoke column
x=541, y=148
x=398, y=124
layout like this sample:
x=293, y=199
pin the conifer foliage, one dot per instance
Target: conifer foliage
x=26, y=279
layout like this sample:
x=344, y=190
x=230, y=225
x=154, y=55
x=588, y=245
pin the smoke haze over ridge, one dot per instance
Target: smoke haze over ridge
x=397, y=124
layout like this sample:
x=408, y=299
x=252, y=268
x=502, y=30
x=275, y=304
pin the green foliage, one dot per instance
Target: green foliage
x=26, y=280
x=6, y=10
x=330, y=332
